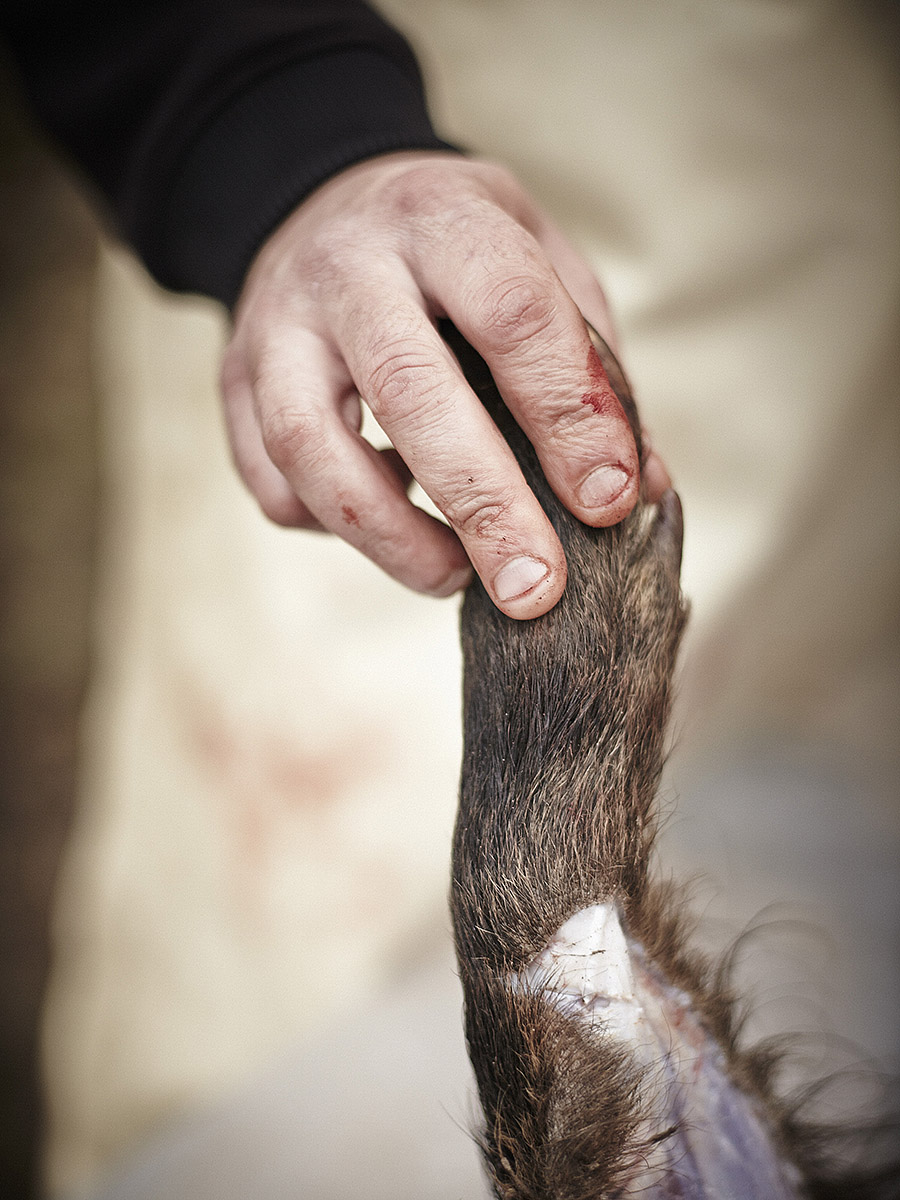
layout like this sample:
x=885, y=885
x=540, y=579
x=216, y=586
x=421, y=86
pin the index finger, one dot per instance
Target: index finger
x=416, y=390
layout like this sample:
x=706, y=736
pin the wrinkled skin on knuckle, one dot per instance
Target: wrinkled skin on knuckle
x=334, y=256
x=305, y=272
x=292, y=439
x=398, y=371
x=475, y=515
x=499, y=186
x=431, y=202
x=515, y=310
x=271, y=366
x=400, y=383
x=564, y=425
x=274, y=285
x=419, y=191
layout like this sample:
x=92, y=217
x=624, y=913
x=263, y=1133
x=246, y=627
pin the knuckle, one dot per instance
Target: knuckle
x=562, y=423
x=330, y=256
x=498, y=178
x=401, y=377
x=503, y=188
x=291, y=438
x=475, y=515
x=418, y=191
x=517, y=309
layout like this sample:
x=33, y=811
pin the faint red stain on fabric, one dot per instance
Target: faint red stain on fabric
x=259, y=777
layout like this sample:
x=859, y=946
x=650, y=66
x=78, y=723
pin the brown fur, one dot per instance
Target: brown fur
x=564, y=721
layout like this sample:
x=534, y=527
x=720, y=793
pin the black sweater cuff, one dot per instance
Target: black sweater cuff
x=266, y=150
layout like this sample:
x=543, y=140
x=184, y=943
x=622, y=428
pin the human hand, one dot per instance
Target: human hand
x=341, y=303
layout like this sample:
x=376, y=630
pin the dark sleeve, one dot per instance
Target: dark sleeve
x=204, y=122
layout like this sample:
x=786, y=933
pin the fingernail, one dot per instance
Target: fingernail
x=519, y=576
x=602, y=486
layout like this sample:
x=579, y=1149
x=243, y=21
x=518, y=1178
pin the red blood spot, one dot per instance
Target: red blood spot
x=601, y=398
x=349, y=515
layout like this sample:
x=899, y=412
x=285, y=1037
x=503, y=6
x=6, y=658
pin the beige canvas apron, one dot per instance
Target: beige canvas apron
x=273, y=735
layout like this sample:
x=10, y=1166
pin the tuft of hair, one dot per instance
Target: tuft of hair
x=850, y=1159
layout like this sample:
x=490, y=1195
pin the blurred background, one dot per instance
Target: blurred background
x=229, y=752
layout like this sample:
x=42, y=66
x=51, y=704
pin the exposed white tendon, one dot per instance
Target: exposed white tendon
x=586, y=971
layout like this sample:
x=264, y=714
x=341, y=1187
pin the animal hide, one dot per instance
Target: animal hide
x=604, y=1049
